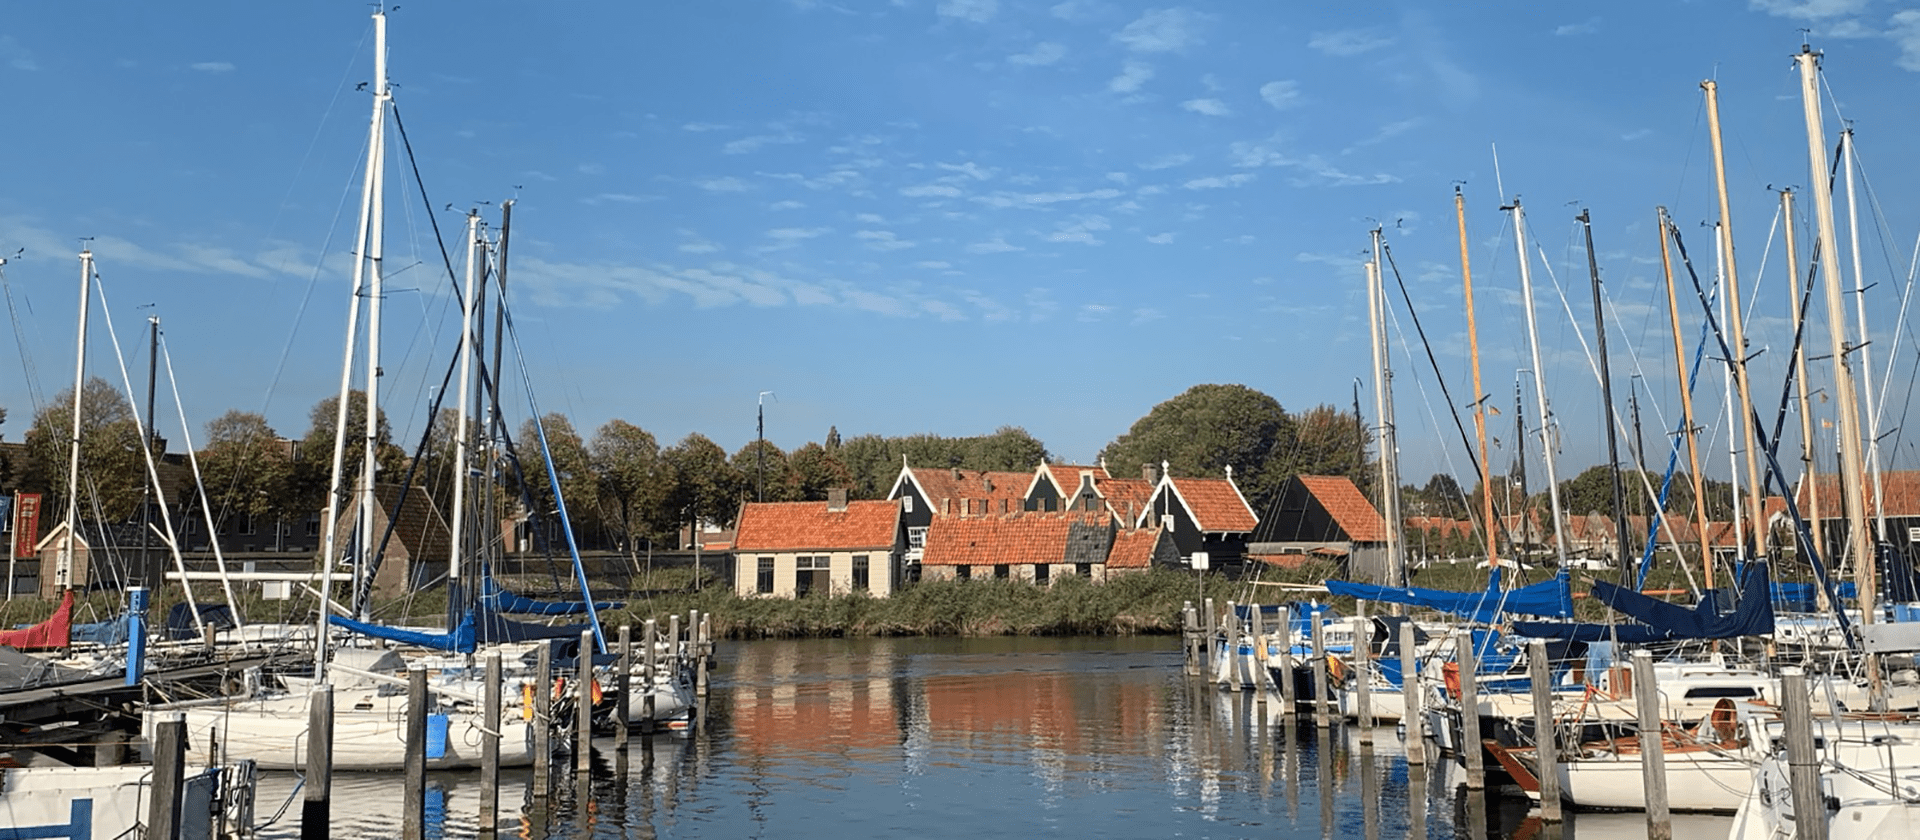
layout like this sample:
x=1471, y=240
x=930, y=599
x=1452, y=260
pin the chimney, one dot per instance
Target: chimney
x=956, y=473
x=1148, y=475
x=837, y=500
x=986, y=483
x=946, y=506
x=966, y=507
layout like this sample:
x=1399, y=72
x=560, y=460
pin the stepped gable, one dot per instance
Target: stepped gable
x=1215, y=504
x=1349, y=508
x=789, y=526
x=1018, y=539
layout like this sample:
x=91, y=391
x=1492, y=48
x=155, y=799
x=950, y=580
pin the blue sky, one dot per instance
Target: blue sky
x=927, y=215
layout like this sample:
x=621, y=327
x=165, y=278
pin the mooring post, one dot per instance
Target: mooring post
x=623, y=683
x=542, y=682
x=1410, y=697
x=490, y=729
x=649, y=669
x=1653, y=758
x=1230, y=628
x=700, y=666
x=1262, y=682
x=169, y=776
x=1208, y=616
x=583, y=706
x=1803, y=756
x=1546, y=743
x=316, y=808
x=413, y=819
x=1189, y=630
x=137, y=599
x=1320, y=687
x=1470, y=747
x=1363, y=679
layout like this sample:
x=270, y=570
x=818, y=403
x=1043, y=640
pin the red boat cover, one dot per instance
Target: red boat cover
x=55, y=632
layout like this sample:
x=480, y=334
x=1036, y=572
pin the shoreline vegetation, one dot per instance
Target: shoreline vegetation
x=1134, y=604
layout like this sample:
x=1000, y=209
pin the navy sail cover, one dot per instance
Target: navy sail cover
x=1551, y=598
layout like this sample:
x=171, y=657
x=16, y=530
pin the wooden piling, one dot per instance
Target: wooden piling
x=1283, y=676
x=1470, y=746
x=1189, y=636
x=413, y=817
x=1362, y=662
x=1320, y=687
x=623, y=682
x=650, y=665
x=1208, y=617
x=316, y=809
x=1261, y=680
x=490, y=728
x=1410, y=697
x=1653, y=759
x=1803, y=757
x=169, y=777
x=1545, y=742
x=1230, y=626
x=703, y=657
x=543, y=721
x=583, y=706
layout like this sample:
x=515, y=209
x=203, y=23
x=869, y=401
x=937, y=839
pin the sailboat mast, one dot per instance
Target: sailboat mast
x=1852, y=488
x=1383, y=409
x=1865, y=347
x=475, y=254
x=1606, y=397
x=1808, y=473
x=1686, y=403
x=63, y=566
x=376, y=245
x=1733, y=445
x=1755, y=498
x=1479, y=397
x=1539, y=381
x=369, y=193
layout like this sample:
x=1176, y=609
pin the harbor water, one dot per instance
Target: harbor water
x=969, y=738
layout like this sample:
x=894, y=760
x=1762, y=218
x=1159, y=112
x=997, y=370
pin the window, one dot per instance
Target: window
x=1084, y=570
x=1166, y=522
x=811, y=572
x=917, y=537
x=906, y=504
x=313, y=526
x=245, y=524
x=764, y=583
x=963, y=573
x=1042, y=573
x=1001, y=571
x=861, y=572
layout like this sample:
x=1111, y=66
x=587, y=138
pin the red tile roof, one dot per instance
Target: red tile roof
x=1349, y=509
x=1066, y=477
x=1125, y=496
x=1902, y=487
x=974, y=486
x=782, y=526
x=1447, y=527
x=1216, y=504
x=1015, y=539
x=1133, y=548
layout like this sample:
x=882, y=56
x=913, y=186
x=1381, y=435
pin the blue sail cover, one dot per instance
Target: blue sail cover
x=1661, y=621
x=1552, y=598
x=497, y=598
x=462, y=639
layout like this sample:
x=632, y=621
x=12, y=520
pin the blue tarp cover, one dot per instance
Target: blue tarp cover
x=1662, y=621
x=498, y=599
x=1552, y=597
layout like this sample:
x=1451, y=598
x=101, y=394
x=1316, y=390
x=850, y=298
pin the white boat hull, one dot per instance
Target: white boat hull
x=369, y=733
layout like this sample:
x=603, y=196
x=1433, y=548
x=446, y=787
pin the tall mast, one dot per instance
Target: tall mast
x=1686, y=403
x=1520, y=463
x=1383, y=409
x=365, y=247
x=1539, y=381
x=1479, y=396
x=1755, y=498
x=476, y=253
x=1733, y=445
x=1809, y=474
x=376, y=245
x=1865, y=347
x=1852, y=488
x=1606, y=396
x=63, y=567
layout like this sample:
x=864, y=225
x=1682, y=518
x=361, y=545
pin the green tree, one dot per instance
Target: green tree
x=112, y=467
x=817, y=471
x=767, y=475
x=244, y=468
x=579, y=485
x=312, y=468
x=634, y=482
x=705, y=485
x=1008, y=449
x=1205, y=430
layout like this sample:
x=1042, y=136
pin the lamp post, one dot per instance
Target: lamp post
x=760, y=448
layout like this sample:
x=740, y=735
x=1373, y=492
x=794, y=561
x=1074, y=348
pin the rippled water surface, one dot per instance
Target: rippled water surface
x=970, y=738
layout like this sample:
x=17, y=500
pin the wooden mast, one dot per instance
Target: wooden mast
x=1757, y=484
x=1686, y=404
x=1852, y=488
x=1487, y=524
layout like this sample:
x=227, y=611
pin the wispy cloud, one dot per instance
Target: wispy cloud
x=1003, y=200
x=754, y=143
x=1313, y=169
x=932, y=191
x=704, y=126
x=1586, y=27
x=1081, y=229
x=1904, y=30
x=1219, y=181
x=1145, y=315
x=1809, y=9
x=969, y=169
x=996, y=245
x=788, y=204
x=1132, y=76
x=790, y=237
x=727, y=184
x=1161, y=239
x=1282, y=94
x=977, y=11
x=1042, y=54
x=16, y=56
x=620, y=198
x=1161, y=30
x=883, y=240
x=212, y=66
x=1347, y=42
x=933, y=265
x=1167, y=161
x=697, y=244
x=1210, y=107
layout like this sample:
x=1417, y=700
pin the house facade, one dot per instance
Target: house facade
x=1318, y=516
x=1204, y=517
x=1037, y=547
x=792, y=549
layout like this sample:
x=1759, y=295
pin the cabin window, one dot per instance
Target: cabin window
x=1042, y=573
x=812, y=572
x=1001, y=571
x=861, y=572
x=764, y=583
x=1737, y=691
